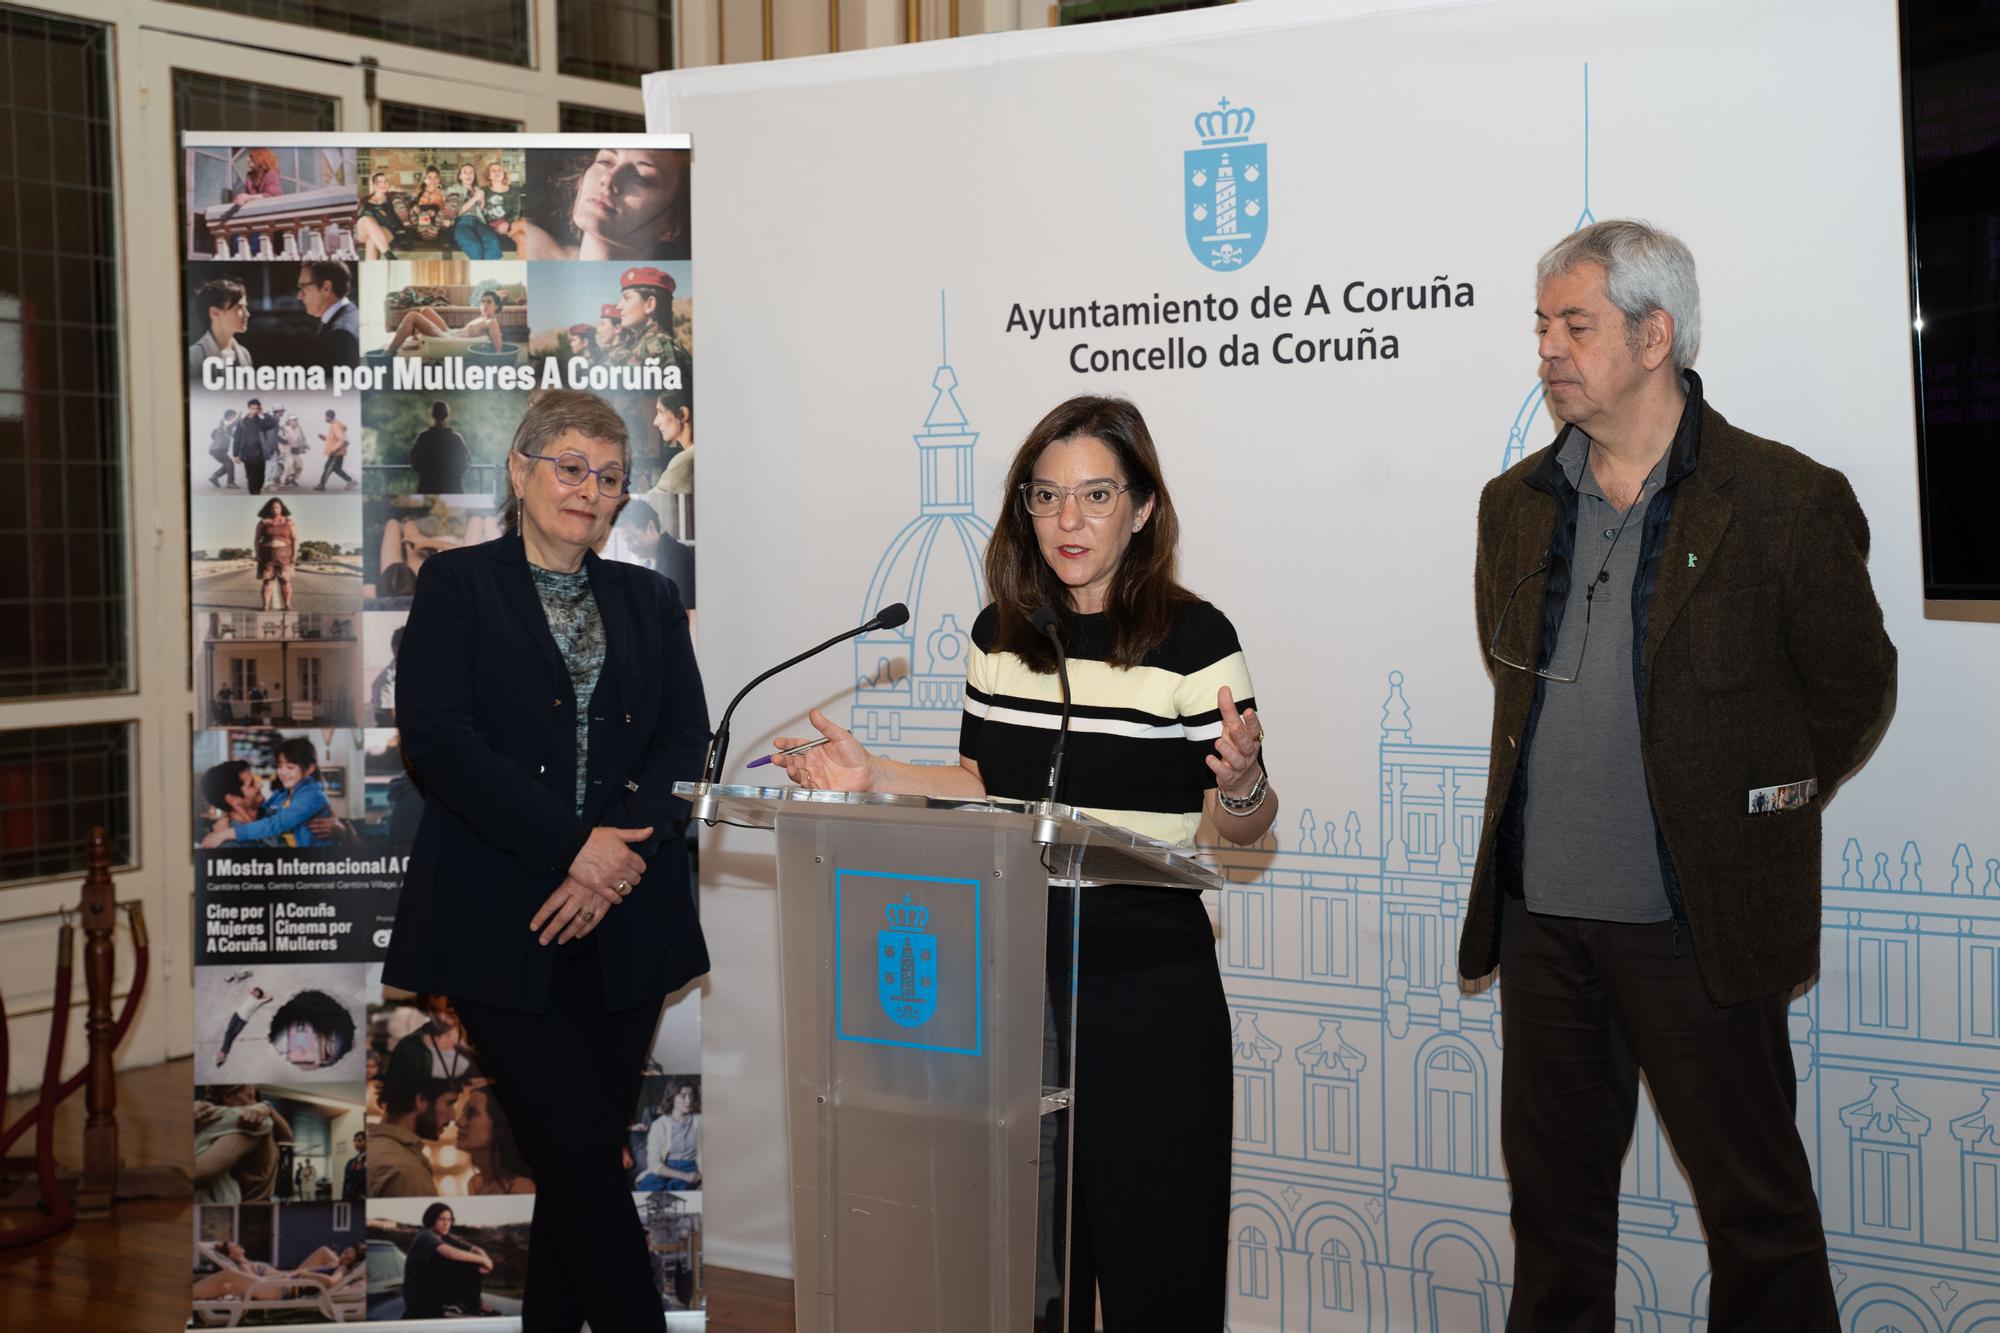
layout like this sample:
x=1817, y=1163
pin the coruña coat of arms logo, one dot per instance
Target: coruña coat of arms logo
x=906, y=978
x=1225, y=180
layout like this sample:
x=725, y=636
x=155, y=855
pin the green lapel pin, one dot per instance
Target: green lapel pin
x=1690, y=559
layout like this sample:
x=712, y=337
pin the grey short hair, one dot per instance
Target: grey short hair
x=551, y=414
x=1645, y=269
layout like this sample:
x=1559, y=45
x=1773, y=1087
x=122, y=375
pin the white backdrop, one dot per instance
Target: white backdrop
x=868, y=224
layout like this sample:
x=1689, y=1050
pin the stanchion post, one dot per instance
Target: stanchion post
x=99, y=1185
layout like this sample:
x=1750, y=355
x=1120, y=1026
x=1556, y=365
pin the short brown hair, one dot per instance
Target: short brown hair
x=552, y=413
x=1144, y=593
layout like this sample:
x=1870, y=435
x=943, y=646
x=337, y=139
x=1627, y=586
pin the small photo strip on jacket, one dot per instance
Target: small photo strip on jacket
x=1789, y=796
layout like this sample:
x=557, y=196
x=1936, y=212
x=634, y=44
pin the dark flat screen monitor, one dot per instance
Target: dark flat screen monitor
x=1951, y=120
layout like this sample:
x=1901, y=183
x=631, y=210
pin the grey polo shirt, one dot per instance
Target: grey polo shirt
x=1588, y=845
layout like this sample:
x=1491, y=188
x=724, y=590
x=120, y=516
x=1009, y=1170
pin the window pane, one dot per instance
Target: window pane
x=596, y=120
x=204, y=102
x=484, y=29
x=55, y=784
x=402, y=118
x=615, y=40
x=63, y=602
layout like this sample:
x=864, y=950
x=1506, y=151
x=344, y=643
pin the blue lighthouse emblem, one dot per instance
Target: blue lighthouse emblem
x=1225, y=183
x=906, y=965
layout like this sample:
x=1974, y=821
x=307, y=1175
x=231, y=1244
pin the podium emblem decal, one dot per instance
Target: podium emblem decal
x=1225, y=182
x=906, y=965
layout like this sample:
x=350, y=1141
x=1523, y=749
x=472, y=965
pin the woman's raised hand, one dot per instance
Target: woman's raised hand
x=1237, y=748
x=842, y=764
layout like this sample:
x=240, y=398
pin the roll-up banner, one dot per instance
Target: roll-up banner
x=367, y=319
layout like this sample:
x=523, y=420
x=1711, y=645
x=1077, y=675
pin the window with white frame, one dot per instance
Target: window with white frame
x=1885, y=1162
x=1451, y=1111
x=1982, y=992
x=1329, y=936
x=1246, y=912
x=1336, y=1276
x=1880, y=983
x=1253, y=1264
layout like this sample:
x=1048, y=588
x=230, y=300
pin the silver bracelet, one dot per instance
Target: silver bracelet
x=1246, y=805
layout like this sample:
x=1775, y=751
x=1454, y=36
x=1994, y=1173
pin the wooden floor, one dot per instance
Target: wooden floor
x=746, y=1302
x=133, y=1275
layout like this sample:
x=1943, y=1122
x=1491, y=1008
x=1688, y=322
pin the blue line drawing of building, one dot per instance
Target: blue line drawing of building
x=1526, y=419
x=1369, y=1190
x=910, y=681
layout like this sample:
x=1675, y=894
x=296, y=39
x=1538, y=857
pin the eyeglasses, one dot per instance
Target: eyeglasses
x=571, y=469
x=1589, y=599
x=1094, y=499
x=1500, y=629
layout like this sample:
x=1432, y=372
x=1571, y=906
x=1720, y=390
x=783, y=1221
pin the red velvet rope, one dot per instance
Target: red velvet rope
x=141, y=957
x=61, y=1212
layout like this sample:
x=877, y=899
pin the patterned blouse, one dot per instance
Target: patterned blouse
x=500, y=206
x=579, y=636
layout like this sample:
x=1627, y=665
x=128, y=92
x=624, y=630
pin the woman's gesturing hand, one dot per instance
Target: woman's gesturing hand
x=1235, y=761
x=842, y=764
x=607, y=866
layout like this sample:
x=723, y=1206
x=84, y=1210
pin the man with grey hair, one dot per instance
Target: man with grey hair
x=1649, y=867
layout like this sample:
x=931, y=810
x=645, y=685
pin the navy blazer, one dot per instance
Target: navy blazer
x=488, y=721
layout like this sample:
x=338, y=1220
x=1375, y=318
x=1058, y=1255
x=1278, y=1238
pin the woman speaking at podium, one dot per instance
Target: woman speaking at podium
x=548, y=702
x=1164, y=732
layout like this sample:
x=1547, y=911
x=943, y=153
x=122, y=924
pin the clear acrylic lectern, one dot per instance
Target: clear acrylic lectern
x=928, y=954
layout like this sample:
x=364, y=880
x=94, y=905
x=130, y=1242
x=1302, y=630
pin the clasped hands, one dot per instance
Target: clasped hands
x=601, y=877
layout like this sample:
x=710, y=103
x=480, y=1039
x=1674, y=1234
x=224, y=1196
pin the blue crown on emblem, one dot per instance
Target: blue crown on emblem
x=906, y=915
x=1225, y=124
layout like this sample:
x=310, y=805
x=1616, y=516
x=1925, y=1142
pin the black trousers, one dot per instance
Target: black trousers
x=253, y=475
x=336, y=465
x=1586, y=1005
x=569, y=1080
x=1150, y=1176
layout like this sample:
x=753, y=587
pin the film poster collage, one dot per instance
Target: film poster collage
x=352, y=1160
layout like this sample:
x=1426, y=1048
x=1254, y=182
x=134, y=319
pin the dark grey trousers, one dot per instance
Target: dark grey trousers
x=1585, y=1006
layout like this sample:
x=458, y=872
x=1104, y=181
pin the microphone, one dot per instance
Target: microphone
x=889, y=617
x=1044, y=621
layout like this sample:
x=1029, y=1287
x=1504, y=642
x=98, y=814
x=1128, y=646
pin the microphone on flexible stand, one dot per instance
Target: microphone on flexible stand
x=889, y=617
x=1044, y=620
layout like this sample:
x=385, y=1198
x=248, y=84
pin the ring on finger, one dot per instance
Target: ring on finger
x=623, y=888
x=589, y=914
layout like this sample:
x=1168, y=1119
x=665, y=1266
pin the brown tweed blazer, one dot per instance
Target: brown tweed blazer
x=1766, y=663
